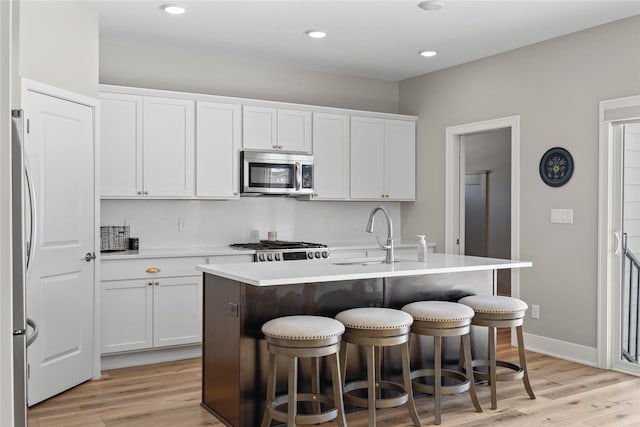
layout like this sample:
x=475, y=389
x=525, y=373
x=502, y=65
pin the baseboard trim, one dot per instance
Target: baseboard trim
x=147, y=357
x=562, y=349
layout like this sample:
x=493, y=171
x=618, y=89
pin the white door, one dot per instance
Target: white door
x=59, y=148
x=294, y=130
x=259, y=128
x=177, y=311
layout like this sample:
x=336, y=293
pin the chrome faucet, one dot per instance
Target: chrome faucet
x=389, y=246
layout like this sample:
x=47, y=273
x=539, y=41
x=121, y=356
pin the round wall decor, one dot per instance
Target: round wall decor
x=556, y=167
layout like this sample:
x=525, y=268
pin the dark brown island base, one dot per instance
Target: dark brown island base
x=239, y=298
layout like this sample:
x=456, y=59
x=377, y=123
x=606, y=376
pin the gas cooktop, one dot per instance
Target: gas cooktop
x=280, y=250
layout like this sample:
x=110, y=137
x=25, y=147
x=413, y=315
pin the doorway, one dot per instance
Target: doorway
x=487, y=198
x=455, y=187
x=618, y=243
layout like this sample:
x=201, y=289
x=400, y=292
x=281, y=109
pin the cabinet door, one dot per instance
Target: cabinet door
x=400, y=160
x=367, y=158
x=177, y=311
x=120, y=145
x=168, y=147
x=294, y=130
x=217, y=150
x=259, y=127
x=127, y=315
x=331, y=156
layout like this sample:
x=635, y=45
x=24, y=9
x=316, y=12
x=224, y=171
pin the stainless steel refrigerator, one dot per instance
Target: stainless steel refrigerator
x=23, y=229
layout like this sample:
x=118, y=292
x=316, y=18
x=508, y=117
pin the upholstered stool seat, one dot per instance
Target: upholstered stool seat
x=374, y=328
x=500, y=312
x=303, y=337
x=443, y=319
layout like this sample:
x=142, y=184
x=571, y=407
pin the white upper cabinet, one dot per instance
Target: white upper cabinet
x=120, y=145
x=400, y=158
x=331, y=156
x=265, y=128
x=168, y=147
x=382, y=159
x=147, y=146
x=218, y=141
x=367, y=158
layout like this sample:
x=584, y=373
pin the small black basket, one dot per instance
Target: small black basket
x=114, y=238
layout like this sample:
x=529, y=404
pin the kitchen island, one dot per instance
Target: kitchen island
x=239, y=298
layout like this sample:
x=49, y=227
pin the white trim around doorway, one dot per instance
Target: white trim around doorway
x=453, y=188
x=611, y=111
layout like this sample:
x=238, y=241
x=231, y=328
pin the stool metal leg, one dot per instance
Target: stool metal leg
x=292, y=409
x=492, y=366
x=466, y=346
x=406, y=374
x=437, y=384
x=371, y=375
x=271, y=390
x=523, y=362
x=315, y=381
x=336, y=381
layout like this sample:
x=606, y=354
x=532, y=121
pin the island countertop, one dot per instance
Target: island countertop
x=292, y=272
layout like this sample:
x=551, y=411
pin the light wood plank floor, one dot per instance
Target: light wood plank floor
x=168, y=394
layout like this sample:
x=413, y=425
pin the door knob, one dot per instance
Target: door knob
x=90, y=256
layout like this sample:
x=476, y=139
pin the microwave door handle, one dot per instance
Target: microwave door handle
x=298, y=172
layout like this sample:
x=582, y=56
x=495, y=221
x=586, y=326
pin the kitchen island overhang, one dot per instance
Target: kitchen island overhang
x=239, y=298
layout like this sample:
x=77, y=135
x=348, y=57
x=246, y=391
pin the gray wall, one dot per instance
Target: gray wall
x=159, y=67
x=555, y=87
x=66, y=59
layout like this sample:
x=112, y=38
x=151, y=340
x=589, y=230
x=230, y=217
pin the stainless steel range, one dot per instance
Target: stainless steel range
x=278, y=250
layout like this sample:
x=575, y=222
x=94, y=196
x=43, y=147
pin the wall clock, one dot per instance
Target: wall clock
x=556, y=167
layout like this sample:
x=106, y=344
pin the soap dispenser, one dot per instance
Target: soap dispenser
x=422, y=248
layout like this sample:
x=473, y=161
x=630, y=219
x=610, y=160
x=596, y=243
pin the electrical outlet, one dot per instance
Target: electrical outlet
x=181, y=224
x=130, y=223
x=535, y=311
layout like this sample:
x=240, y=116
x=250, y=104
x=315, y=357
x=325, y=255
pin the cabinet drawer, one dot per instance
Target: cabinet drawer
x=137, y=268
x=228, y=259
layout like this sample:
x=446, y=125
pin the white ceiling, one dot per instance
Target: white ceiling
x=376, y=39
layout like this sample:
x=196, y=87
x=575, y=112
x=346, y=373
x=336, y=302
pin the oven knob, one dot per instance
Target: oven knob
x=325, y=254
x=310, y=255
x=269, y=257
x=317, y=254
x=277, y=257
x=261, y=257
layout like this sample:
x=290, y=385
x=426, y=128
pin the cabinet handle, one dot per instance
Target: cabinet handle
x=156, y=283
x=235, y=193
x=150, y=284
x=146, y=193
x=153, y=270
x=139, y=193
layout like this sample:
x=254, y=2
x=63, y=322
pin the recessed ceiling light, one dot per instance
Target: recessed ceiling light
x=428, y=53
x=430, y=5
x=173, y=9
x=316, y=34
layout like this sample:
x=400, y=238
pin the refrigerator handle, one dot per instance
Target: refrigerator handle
x=32, y=215
x=34, y=335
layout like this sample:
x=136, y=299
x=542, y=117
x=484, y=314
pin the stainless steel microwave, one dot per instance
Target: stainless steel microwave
x=276, y=173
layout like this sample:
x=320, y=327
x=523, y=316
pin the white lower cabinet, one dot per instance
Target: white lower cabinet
x=150, y=304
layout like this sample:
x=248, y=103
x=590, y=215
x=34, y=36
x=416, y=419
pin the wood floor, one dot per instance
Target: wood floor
x=168, y=395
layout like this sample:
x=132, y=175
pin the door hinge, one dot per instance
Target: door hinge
x=28, y=125
x=457, y=241
x=28, y=370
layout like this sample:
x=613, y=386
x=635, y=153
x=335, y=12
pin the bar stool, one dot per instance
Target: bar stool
x=500, y=312
x=443, y=319
x=308, y=337
x=375, y=328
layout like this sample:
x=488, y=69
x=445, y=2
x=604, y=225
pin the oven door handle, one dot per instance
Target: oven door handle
x=298, y=173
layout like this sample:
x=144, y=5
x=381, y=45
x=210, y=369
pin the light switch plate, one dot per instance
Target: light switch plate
x=562, y=216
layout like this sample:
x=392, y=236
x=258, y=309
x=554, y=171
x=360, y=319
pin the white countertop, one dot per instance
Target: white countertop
x=227, y=250
x=292, y=272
